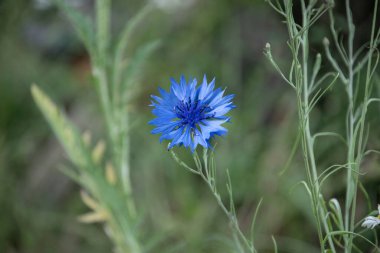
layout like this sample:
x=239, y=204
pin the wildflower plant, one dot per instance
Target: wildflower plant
x=188, y=115
x=103, y=170
x=336, y=226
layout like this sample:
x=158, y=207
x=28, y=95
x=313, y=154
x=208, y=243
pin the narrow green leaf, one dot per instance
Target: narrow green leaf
x=123, y=42
x=274, y=244
x=65, y=131
x=317, y=96
x=230, y=194
x=134, y=67
x=82, y=25
x=352, y=233
x=254, y=220
x=316, y=68
x=335, y=207
x=181, y=163
x=292, y=153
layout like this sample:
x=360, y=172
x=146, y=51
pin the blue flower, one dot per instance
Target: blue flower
x=189, y=115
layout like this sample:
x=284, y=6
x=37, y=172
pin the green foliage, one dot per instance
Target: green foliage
x=356, y=121
x=111, y=200
x=206, y=169
x=81, y=24
x=109, y=203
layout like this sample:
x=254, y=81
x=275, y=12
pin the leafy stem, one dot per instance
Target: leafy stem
x=206, y=169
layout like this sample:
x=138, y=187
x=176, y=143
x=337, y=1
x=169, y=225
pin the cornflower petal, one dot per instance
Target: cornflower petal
x=189, y=115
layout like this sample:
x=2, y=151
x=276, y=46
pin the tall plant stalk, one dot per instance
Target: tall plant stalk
x=307, y=83
x=105, y=179
x=356, y=109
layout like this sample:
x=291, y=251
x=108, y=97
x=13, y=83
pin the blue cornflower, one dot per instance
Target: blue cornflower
x=189, y=115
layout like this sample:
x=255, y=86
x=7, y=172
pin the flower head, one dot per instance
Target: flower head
x=189, y=115
x=372, y=221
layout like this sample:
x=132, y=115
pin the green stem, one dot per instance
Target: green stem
x=352, y=178
x=232, y=218
x=116, y=121
x=321, y=214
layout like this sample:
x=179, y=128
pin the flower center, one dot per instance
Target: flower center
x=191, y=112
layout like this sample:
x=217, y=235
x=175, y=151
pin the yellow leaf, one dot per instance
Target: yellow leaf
x=110, y=174
x=93, y=217
x=90, y=202
x=98, y=152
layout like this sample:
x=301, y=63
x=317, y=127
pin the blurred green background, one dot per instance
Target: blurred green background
x=225, y=39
